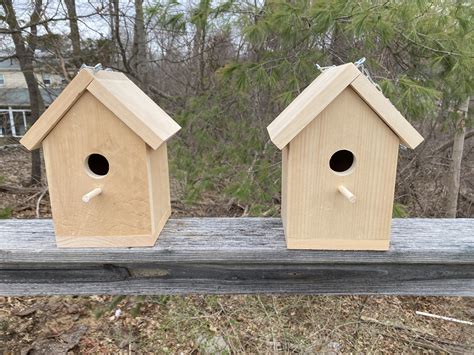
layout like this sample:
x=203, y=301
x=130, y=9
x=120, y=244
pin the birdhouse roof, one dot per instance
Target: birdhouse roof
x=322, y=91
x=120, y=95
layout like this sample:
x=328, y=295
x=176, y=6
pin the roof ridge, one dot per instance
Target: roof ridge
x=323, y=90
x=120, y=95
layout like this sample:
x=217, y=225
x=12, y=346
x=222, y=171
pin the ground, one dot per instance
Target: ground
x=216, y=324
x=223, y=324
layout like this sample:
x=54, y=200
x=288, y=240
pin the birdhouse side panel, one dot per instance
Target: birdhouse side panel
x=346, y=146
x=284, y=184
x=159, y=187
x=74, y=153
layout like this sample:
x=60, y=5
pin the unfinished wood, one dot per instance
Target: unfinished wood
x=159, y=187
x=314, y=99
x=284, y=183
x=346, y=193
x=120, y=95
x=322, y=91
x=315, y=209
x=387, y=112
x=121, y=213
x=91, y=194
x=134, y=108
x=48, y=120
x=338, y=244
x=239, y=255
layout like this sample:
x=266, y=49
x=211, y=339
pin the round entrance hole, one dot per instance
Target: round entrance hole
x=342, y=161
x=97, y=165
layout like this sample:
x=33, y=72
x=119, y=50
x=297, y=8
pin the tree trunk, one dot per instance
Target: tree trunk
x=74, y=33
x=139, y=62
x=199, y=41
x=24, y=51
x=122, y=52
x=456, y=159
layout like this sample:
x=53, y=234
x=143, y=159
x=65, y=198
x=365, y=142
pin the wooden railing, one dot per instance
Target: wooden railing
x=239, y=255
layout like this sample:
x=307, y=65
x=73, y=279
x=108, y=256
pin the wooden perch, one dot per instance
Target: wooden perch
x=91, y=194
x=347, y=194
x=239, y=256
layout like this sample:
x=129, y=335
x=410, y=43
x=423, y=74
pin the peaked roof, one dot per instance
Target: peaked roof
x=322, y=91
x=120, y=95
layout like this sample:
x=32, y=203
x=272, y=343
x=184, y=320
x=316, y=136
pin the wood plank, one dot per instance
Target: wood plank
x=409, y=136
x=306, y=106
x=158, y=187
x=318, y=215
x=48, y=120
x=119, y=216
x=139, y=112
x=239, y=255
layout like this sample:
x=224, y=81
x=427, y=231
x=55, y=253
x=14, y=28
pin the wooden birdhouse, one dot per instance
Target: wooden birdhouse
x=339, y=140
x=104, y=145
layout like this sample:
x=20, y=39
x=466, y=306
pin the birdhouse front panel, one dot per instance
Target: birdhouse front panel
x=339, y=140
x=104, y=144
x=347, y=146
x=91, y=148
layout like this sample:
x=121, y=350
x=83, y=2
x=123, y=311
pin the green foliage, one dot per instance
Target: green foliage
x=420, y=52
x=224, y=150
x=399, y=211
x=5, y=212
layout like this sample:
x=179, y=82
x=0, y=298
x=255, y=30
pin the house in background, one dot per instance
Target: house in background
x=15, y=110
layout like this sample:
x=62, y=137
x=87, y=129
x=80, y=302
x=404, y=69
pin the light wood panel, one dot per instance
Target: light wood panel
x=284, y=184
x=48, y=120
x=387, y=112
x=120, y=95
x=134, y=108
x=338, y=244
x=315, y=210
x=239, y=255
x=159, y=187
x=120, y=215
x=314, y=99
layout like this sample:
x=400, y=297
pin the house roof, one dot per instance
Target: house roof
x=120, y=95
x=19, y=97
x=322, y=91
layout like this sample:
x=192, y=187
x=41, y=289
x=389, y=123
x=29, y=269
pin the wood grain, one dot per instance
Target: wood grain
x=120, y=215
x=306, y=106
x=120, y=95
x=239, y=255
x=322, y=91
x=130, y=104
x=159, y=187
x=387, y=112
x=317, y=215
x=48, y=120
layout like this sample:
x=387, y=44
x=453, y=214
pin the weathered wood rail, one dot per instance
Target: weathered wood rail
x=239, y=255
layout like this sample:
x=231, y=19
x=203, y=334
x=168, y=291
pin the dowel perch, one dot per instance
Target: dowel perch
x=346, y=193
x=90, y=195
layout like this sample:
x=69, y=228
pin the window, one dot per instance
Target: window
x=46, y=80
x=2, y=80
